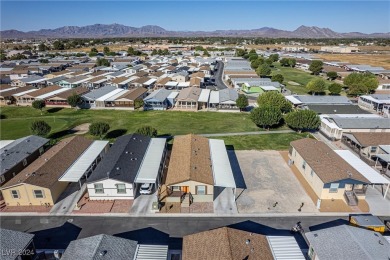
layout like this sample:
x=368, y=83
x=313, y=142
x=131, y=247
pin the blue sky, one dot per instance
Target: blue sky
x=340, y=16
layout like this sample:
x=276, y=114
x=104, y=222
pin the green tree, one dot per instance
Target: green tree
x=138, y=103
x=42, y=47
x=94, y=50
x=252, y=51
x=256, y=63
x=58, y=45
x=242, y=102
x=316, y=85
x=74, y=100
x=39, y=104
x=332, y=75
x=274, y=99
x=274, y=57
x=335, y=88
x=147, y=131
x=253, y=57
x=269, y=62
x=263, y=70
x=106, y=50
x=44, y=61
x=266, y=116
x=154, y=52
x=40, y=128
x=361, y=83
x=316, y=67
x=99, y=129
x=284, y=62
x=102, y=62
x=292, y=62
x=206, y=53
x=303, y=120
x=278, y=77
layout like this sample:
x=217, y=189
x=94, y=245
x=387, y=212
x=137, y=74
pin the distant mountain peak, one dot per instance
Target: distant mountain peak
x=119, y=30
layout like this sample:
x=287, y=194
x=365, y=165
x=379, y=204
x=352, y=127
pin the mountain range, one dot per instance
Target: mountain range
x=119, y=30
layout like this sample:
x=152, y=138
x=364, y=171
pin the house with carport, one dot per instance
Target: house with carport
x=61, y=99
x=157, y=100
x=199, y=169
x=131, y=161
x=188, y=99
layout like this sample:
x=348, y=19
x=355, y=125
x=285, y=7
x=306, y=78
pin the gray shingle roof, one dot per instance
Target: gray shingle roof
x=347, y=242
x=56, y=79
x=362, y=123
x=158, y=95
x=337, y=109
x=228, y=95
x=100, y=247
x=13, y=241
x=123, y=160
x=97, y=93
x=18, y=150
x=323, y=99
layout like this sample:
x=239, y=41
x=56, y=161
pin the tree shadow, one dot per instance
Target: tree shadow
x=54, y=110
x=3, y=116
x=115, y=133
x=56, y=238
x=61, y=134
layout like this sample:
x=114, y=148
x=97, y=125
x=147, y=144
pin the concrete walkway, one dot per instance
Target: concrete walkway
x=225, y=203
x=143, y=204
x=250, y=133
x=68, y=199
x=379, y=206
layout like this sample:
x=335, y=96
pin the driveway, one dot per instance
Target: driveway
x=271, y=186
x=379, y=205
x=224, y=202
x=143, y=204
x=68, y=199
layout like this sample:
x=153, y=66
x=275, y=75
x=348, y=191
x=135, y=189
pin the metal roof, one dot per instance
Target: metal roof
x=117, y=95
x=151, y=252
x=174, y=94
x=97, y=93
x=285, y=247
x=7, y=89
x=150, y=81
x=306, y=99
x=222, y=171
x=362, y=122
x=24, y=92
x=269, y=88
x=293, y=100
x=158, y=95
x=171, y=84
x=365, y=170
x=82, y=164
x=204, y=95
x=214, y=97
x=53, y=93
x=110, y=94
x=151, y=163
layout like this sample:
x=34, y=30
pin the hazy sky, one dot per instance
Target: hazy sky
x=340, y=16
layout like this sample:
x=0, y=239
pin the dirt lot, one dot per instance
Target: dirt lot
x=271, y=187
x=382, y=60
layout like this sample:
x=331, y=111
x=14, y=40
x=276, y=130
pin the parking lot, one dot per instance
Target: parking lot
x=270, y=186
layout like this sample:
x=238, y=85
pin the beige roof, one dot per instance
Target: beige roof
x=163, y=81
x=96, y=79
x=43, y=91
x=195, y=82
x=157, y=74
x=327, y=164
x=226, y=244
x=11, y=92
x=119, y=80
x=371, y=139
x=66, y=94
x=197, y=75
x=45, y=171
x=190, y=160
x=98, y=73
x=189, y=94
x=141, y=80
x=133, y=94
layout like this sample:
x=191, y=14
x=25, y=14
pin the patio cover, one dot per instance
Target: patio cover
x=149, y=168
x=82, y=164
x=222, y=171
x=285, y=247
x=293, y=100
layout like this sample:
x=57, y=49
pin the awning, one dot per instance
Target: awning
x=82, y=164
x=293, y=100
x=204, y=95
x=149, y=168
x=371, y=175
x=214, y=97
x=384, y=157
x=110, y=94
x=285, y=247
x=222, y=171
x=155, y=252
x=53, y=93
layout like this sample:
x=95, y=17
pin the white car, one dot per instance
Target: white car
x=146, y=188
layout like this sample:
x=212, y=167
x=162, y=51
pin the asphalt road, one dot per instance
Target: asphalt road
x=218, y=77
x=56, y=232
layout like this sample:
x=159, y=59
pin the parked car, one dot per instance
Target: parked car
x=146, y=188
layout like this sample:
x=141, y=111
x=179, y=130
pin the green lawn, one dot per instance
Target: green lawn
x=296, y=75
x=262, y=142
x=18, y=119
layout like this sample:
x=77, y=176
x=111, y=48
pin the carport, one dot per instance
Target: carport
x=222, y=171
x=369, y=173
x=85, y=163
x=153, y=163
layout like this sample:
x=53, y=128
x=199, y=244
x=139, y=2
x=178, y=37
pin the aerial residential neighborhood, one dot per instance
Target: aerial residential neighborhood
x=162, y=133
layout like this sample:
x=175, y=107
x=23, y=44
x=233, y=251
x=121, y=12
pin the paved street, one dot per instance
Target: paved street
x=56, y=232
x=218, y=77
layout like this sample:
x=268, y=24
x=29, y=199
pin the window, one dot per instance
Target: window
x=304, y=165
x=201, y=190
x=311, y=173
x=373, y=149
x=38, y=194
x=15, y=194
x=121, y=188
x=175, y=188
x=24, y=162
x=98, y=188
x=333, y=188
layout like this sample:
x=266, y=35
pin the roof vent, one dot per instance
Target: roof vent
x=118, y=168
x=108, y=174
x=102, y=253
x=248, y=241
x=126, y=152
x=315, y=235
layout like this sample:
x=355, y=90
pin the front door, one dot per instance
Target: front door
x=185, y=189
